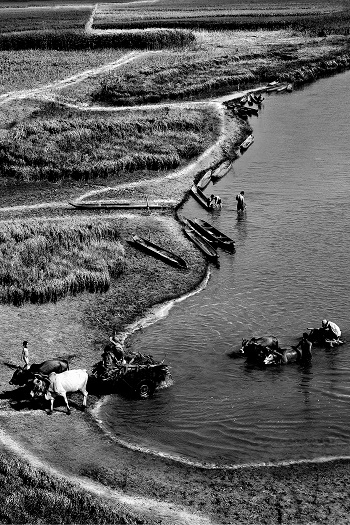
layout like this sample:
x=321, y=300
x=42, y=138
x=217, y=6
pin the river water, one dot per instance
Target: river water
x=290, y=270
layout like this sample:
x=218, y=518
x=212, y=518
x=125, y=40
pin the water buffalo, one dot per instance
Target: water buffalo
x=21, y=376
x=283, y=356
x=59, y=385
x=257, y=349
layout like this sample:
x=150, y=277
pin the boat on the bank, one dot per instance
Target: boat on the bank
x=212, y=233
x=204, y=180
x=90, y=205
x=202, y=244
x=273, y=86
x=158, y=252
x=200, y=197
x=250, y=111
x=247, y=143
x=221, y=170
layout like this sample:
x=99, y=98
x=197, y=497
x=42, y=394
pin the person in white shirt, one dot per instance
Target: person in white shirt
x=331, y=330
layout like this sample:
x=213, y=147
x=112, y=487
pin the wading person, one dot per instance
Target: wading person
x=25, y=354
x=240, y=201
x=305, y=348
x=331, y=330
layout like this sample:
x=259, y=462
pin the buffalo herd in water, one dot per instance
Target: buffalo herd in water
x=52, y=378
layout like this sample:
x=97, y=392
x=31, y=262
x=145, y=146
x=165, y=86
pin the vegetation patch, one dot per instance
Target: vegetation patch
x=78, y=40
x=27, y=19
x=56, y=144
x=31, y=68
x=315, y=18
x=221, y=62
x=44, y=261
x=29, y=495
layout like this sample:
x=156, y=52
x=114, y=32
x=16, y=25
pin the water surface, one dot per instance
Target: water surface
x=290, y=271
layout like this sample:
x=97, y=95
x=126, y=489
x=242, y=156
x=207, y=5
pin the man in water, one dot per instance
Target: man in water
x=25, y=354
x=240, y=201
x=305, y=347
x=331, y=331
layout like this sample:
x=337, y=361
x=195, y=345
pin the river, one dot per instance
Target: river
x=290, y=270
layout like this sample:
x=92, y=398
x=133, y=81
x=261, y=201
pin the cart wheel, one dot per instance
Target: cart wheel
x=144, y=390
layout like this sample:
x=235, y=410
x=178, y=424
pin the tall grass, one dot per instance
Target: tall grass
x=58, y=144
x=75, y=40
x=29, y=495
x=15, y=20
x=42, y=261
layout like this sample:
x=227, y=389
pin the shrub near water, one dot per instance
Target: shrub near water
x=45, y=261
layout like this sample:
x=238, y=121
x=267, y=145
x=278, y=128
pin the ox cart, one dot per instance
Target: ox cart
x=140, y=376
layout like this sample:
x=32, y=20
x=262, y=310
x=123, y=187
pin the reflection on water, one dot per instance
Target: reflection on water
x=289, y=271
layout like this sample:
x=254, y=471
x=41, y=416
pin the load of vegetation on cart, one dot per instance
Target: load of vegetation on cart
x=131, y=373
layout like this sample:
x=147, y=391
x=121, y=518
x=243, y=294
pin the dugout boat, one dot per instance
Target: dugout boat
x=204, y=180
x=213, y=234
x=158, y=252
x=247, y=143
x=190, y=223
x=91, y=205
x=221, y=170
x=200, y=197
x=202, y=244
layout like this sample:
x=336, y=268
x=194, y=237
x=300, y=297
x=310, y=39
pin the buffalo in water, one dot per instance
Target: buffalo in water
x=266, y=351
x=22, y=376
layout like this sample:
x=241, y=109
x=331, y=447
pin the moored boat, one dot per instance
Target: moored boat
x=158, y=252
x=247, y=143
x=281, y=88
x=221, y=170
x=211, y=232
x=204, y=180
x=203, y=245
x=200, y=197
x=190, y=223
x=87, y=205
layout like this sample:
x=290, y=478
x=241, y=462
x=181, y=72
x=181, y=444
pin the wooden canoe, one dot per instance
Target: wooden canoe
x=211, y=232
x=205, y=179
x=221, y=170
x=250, y=111
x=200, y=197
x=204, y=246
x=247, y=143
x=282, y=88
x=194, y=226
x=120, y=204
x=158, y=252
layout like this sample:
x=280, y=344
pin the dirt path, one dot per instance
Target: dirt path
x=79, y=77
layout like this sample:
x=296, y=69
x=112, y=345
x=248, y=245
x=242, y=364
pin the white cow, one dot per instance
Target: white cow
x=61, y=384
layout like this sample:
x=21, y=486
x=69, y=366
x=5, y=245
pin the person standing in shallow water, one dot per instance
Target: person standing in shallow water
x=240, y=201
x=25, y=354
x=305, y=347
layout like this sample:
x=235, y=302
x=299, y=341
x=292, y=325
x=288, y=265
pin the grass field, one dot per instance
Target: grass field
x=45, y=261
x=31, y=68
x=42, y=19
x=222, y=61
x=59, y=143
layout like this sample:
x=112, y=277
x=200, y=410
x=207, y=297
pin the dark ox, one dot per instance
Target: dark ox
x=257, y=349
x=22, y=376
x=60, y=385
